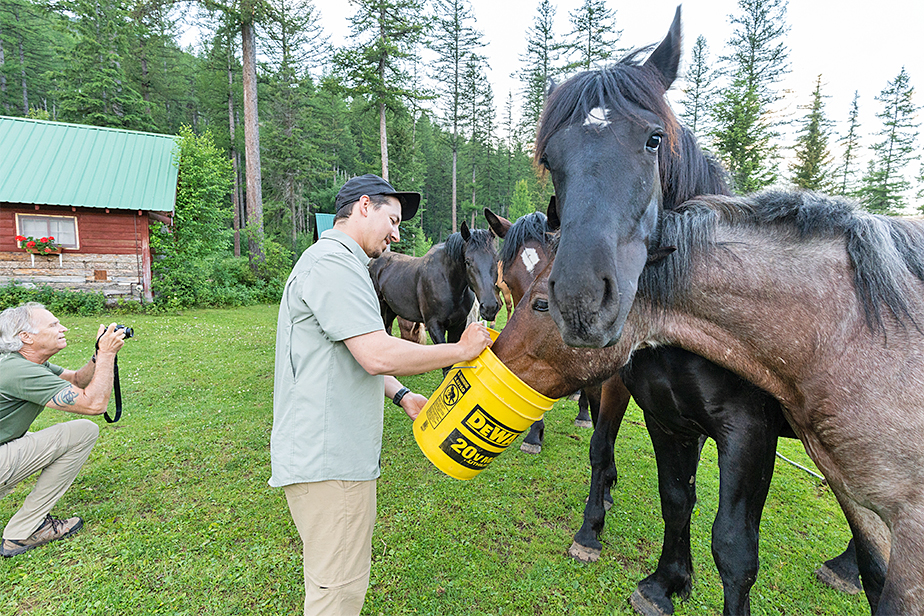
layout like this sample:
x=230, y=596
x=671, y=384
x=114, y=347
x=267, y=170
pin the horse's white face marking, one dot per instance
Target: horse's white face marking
x=530, y=258
x=597, y=117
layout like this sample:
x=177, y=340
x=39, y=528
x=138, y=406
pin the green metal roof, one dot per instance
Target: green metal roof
x=69, y=164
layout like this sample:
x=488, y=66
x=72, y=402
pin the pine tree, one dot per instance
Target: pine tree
x=293, y=44
x=850, y=144
x=698, y=91
x=454, y=40
x=811, y=169
x=745, y=126
x=94, y=85
x=30, y=41
x=884, y=183
x=538, y=63
x=593, y=37
x=386, y=32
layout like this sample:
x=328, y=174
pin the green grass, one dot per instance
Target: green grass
x=180, y=519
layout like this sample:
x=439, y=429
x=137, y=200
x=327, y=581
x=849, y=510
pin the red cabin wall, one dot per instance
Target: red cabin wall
x=114, y=241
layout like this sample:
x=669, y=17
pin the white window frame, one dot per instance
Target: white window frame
x=74, y=246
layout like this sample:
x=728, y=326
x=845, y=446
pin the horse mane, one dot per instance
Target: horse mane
x=882, y=250
x=455, y=246
x=534, y=226
x=686, y=171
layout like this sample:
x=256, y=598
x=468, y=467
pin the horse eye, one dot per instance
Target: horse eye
x=545, y=162
x=654, y=141
x=541, y=305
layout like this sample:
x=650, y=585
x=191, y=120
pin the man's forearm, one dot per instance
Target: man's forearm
x=83, y=376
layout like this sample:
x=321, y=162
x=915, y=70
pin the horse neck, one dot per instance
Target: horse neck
x=761, y=307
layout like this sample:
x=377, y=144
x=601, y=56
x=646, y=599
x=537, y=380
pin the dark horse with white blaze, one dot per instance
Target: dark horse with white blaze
x=813, y=301
x=439, y=288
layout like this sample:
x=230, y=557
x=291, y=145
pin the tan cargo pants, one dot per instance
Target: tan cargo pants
x=58, y=452
x=335, y=521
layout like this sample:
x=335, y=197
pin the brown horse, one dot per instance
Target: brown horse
x=521, y=258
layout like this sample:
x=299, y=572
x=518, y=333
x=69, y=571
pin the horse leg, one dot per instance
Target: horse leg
x=677, y=461
x=841, y=572
x=903, y=592
x=532, y=442
x=583, y=419
x=609, y=410
x=745, y=469
x=388, y=316
x=873, y=544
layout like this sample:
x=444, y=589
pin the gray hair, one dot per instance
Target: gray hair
x=14, y=321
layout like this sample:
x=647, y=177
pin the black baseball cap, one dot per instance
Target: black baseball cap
x=371, y=184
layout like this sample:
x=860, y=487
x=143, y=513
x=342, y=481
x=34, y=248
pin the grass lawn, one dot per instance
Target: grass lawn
x=180, y=519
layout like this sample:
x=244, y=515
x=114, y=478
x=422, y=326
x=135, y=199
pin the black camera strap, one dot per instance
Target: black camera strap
x=117, y=389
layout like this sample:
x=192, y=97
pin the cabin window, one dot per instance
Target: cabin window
x=62, y=228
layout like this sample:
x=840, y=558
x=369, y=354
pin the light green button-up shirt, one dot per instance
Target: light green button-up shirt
x=327, y=410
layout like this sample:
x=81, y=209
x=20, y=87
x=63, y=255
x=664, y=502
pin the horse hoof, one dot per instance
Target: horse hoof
x=642, y=605
x=583, y=423
x=831, y=578
x=583, y=554
x=530, y=448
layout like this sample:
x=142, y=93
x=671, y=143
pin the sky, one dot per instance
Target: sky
x=855, y=45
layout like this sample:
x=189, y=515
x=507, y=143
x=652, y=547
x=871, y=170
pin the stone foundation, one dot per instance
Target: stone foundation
x=116, y=276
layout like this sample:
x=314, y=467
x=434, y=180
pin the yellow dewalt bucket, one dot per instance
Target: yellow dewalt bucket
x=475, y=413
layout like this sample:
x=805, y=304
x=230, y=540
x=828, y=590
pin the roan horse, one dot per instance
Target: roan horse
x=685, y=399
x=811, y=300
x=439, y=288
x=521, y=258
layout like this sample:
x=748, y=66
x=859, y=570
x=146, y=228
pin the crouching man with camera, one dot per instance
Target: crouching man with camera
x=29, y=336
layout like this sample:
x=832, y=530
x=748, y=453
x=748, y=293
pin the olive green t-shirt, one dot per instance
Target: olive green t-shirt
x=25, y=389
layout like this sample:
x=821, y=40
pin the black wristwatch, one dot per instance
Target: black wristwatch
x=401, y=393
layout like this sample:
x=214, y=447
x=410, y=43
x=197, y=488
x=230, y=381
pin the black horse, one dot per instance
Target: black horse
x=439, y=288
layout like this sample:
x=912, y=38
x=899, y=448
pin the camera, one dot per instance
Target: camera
x=129, y=332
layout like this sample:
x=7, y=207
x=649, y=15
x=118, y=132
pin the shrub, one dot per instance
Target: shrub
x=57, y=301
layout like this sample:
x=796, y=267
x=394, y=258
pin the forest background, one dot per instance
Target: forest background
x=277, y=113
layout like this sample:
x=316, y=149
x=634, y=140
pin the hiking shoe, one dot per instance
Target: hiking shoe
x=50, y=530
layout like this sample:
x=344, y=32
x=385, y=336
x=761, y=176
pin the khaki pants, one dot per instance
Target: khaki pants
x=335, y=521
x=58, y=452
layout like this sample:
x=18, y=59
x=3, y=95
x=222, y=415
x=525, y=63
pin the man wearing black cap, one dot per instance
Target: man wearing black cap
x=332, y=353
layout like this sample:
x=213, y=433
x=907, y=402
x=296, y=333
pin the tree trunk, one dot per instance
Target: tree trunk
x=6, y=104
x=455, y=159
x=235, y=201
x=22, y=74
x=252, y=146
x=383, y=141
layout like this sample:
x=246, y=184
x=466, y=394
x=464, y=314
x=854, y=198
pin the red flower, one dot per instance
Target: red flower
x=44, y=240
x=20, y=238
x=48, y=249
x=30, y=244
x=51, y=239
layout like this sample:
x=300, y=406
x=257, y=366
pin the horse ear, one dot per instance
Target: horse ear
x=466, y=234
x=666, y=58
x=659, y=253
x=498, y=224
x=551, y=214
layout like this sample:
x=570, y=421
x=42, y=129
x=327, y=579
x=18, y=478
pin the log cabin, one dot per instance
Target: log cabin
x=96, y=191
